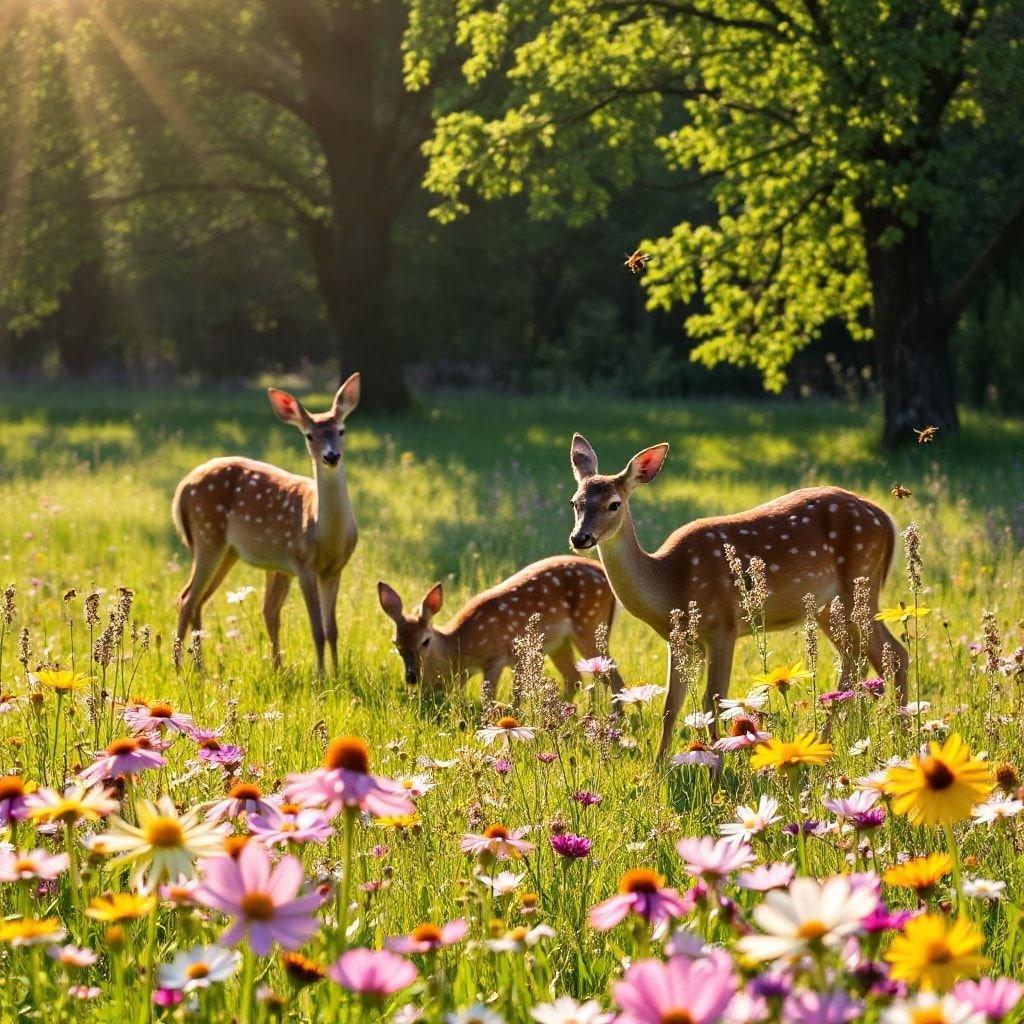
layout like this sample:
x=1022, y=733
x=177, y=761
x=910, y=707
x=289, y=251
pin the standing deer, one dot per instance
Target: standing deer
x=236, y=508
x=817, y=540
x=571, y=596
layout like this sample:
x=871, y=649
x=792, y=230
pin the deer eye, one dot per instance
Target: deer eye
x=426, y=641
x=309, y=436
x=614, y=506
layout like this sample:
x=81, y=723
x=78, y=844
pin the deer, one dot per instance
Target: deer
x=816, y=541
x=235, y=508
x=570, y=595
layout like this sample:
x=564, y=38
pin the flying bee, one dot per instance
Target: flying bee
x=636, y=262
x=901, y=492
x=927, y=435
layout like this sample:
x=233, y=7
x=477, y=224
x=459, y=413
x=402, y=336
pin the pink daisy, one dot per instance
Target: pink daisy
x=125, y=756
x=641, y=892
x=242, y=798
x=994, y=997
x=372, y=972
x=35, y=864
x=498, y=842
x=157, y=717
x=427, y=938
x=290, y=823
x=766, y=876
x=709, y=858
x=696, y=991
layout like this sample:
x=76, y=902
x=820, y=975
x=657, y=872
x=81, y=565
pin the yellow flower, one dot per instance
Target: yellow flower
x=28, y=931
x=76, y=803
x=939, y=789
x=782, y=678
x=120, y=906
x=776, y=753
x=933, y=952
x=901, y=613
x=399, y=822
x=921, y=873
x=62, y=679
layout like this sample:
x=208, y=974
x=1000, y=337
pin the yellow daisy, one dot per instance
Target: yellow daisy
x=78, y=802
x=120, y=906
x=783, y=678
x=901, y=613
x=28, y=931
x=941, y=788
x=62, y=679
x=921, y=873
x=779, y=754
x=933, y=952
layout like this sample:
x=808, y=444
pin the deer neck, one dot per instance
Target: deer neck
x=446, y=652
x=334, y=518
x=635, y=575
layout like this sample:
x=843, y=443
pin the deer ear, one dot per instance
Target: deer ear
x=432, y=602
x=347, y=398
x=583, y=458
x=644, y=466
x=389, y=600
x=286, y=406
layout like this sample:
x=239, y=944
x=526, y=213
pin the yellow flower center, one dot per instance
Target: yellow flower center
x=125, y=745
x=350, y=753
x=165, y=833
x=426, y=933
x=196, y=971
x=496, y=832
x=928, y=1015
x=258, y=905
x=640, y=880
x=812, y=929
x=937, y=774
x=11, y=787
x=508, y=723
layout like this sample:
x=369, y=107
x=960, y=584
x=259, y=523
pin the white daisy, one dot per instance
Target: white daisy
x=565, y=1010
x=198, y=968
x=984, y=888
x=750, y=821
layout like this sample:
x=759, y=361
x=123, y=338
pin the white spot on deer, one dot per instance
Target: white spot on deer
x=794, y=551
x=840, y=559
x=717, y=552
x=695, y=561
x=773, y=567
x=812, y=553
x=859, y=546
x=805, y=519
x=784, y=536
x=832, y=535
x=833, y=507
x=744, y=531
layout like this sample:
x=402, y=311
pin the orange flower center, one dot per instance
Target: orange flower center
x=25, y=867
x=938, y=952
x=426, y=933
x=245, y=791
x=695, y=745
x=640, y=880
x=508, y=723
x=209, y=745
x=518, y=934
x=937, y=774
x=11, y=786
x=125, y=745
x=676, y=1017
x=257, y=905
x=165, y=833
x=741, y=726
x=496, y=832
x=196, y=971
x=350, y=753
x=160, y=711
x=290, y=808
x=235, y=844
x=812, y=929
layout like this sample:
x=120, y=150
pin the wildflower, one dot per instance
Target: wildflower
x=199, y=967
x=766, y=876
x=698, y=753
x=808, y=913
x=984, y=889
x=264, y=903
x=782, y=678
x=833, y=697
x=744, y=731
x=30, y=931
x=883, y=919
x=571, y=846
x=680, y=991
x=517, y=940
x=345, y=781
x=996, y=998
x=242, y=798
x=929, y=1008
x=77, y=803
x=831, y=1007
x=290, y=824
x=239, y=595
x=933, y=952
x=372, y=972
x=475, y=1014
x=641, y=892
x=124, y=756
x=992, y=811
x=156, y=717
x=732, y=707
x=708, y=858
x=428, y=938
x=302, y=971
x=941, y=788
x=502, y=883
x=921, y=874
x=112, y=908
x=586, y=798
x=508, y=728
x=901, y=613
x=1007, y=777
x=181, y=892
x=599, y=666
x=13, y=804
x=72, y=956
x=751, y=822
x=780, y=754
x=164, y=844
x=84, y=992
x=214, y=752
x=699, y=719
x=684, y=942
x=565, y=1010
x=21, y=867
x=498, y=842
x=164, y=997
x=415, y=785
x=914, y=708
x=62, y=680
x=637, y=694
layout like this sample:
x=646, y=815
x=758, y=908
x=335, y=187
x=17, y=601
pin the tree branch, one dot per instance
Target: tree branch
x=691, y=10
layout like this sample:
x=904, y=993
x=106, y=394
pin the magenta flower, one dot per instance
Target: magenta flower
x=833, y=1007
x=278, y=827
x=882, y=919
x=372, y=972
x=157, y=717
x=698, y=753
x=428, y=938
x=709, y=858
x=165, y=997
x=124, y=756
x=586, y=798
x=597, y=666
x=875, y=687
x=13, y=793
x=994, y=997
x=35, y=864
x=547, y=756
x=834, y=697
x=766, y=876
x=263, y=899
x=696, y=991
x=213, y=751
x=641, y=892
x=571, y=846
x=242, y=798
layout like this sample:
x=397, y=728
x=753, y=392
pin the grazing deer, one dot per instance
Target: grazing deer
x=813, y=541
x=571, y=596
x=236, y=508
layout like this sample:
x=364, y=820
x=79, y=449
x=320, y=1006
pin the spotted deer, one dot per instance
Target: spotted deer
x=570, y=595
x=813, y=541
x=236, y=508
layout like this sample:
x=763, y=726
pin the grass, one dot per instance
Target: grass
x=466, y=490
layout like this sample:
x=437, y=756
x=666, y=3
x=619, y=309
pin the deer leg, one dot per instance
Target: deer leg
x=205, y=563
x=880, y=636
x=675, y=686
x=564, y=659
x=719, y=655
x=227, y=562
x=273, y=601
x=492, y=673
x=328, y=610
x=311, y=595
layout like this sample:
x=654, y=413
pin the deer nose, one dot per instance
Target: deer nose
x=581, y=539
x=332, y=458
x=410, y=676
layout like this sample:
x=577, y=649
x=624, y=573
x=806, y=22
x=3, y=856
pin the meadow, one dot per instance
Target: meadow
x=465, y=491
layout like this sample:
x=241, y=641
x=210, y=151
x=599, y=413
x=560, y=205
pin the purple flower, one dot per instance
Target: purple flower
x=808, y=827
x=692, y=990
x=867, y=820
x=263, y=899
x=547, y=756
x=640, y=892
x=13, y=805
x=279, y=827
x=834, y=697
x=874, y=686
x=994, y=997
x=167, y=997
x=372, y=972
x=771, y=985
x=834, y=1007
x=502, y=765
x=766, y=877
x=571, y=846
x=124, y=756
x=156, y=717
x=882, y=919
x=872, y=978
x=586, y=798
x=214, y=752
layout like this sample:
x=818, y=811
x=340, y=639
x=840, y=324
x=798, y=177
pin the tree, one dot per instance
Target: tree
x=838, y=141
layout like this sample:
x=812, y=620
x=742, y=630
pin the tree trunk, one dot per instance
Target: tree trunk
x=912, y=334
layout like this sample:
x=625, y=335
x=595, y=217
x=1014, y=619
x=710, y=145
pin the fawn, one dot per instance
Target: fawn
x=814, y=541
x=571, y=595
x=236, y=508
